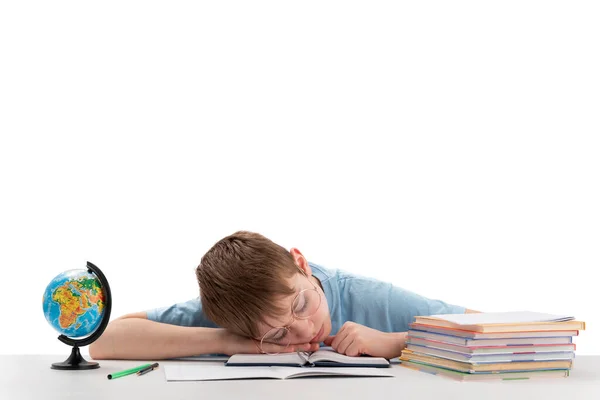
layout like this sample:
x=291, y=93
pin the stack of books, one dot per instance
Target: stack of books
x=492, y=346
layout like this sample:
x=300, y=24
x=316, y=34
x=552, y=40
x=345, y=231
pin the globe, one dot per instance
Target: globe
x=74, y=303
x=77, y=305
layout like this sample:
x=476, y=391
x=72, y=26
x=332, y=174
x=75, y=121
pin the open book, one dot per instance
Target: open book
x=325, y=357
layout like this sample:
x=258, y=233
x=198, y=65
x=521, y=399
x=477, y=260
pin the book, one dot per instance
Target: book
x=490, y=335
x=490, y=358
x=509, y=349
x=324, y=357
x=194, y=372
x=466, y=338
x=485, y=376
x=503, y=321
x=409, y=355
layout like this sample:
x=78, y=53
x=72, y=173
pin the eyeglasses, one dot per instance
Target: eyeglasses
x=305, y=305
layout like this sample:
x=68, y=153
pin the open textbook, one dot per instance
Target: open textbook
x=325, y=357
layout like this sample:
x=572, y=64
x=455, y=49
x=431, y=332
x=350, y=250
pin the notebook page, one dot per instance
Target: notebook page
x=282, y=358
x=509, y=317
x=192, y=372
x=342, y=371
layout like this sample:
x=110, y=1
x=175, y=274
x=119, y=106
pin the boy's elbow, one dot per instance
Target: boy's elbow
x=96, y=352
x=102, y=348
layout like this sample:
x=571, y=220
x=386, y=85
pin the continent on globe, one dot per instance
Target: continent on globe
x=75, y=298
x=74, y=303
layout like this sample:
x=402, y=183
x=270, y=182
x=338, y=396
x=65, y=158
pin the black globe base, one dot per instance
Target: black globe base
x=75, y=361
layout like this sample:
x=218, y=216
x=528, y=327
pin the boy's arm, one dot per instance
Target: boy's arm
x=135, y=337
x=468, y=311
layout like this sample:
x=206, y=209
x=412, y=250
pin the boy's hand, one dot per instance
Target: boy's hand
x=236, y=344
x=354, y=340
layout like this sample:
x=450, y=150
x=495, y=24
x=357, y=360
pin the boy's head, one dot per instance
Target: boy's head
x=249, y=285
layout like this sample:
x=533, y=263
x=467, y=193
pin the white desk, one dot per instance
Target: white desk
x=30, y=377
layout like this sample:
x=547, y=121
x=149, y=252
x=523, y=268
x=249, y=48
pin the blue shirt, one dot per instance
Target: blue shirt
x=366, y=301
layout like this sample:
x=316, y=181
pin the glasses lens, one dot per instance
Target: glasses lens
x=278, y=336
x=306, y=303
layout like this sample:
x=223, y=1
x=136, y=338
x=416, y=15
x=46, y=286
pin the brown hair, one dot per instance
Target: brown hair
x=240, y=278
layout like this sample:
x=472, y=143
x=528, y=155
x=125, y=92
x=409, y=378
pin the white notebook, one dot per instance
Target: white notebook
x=188, y=372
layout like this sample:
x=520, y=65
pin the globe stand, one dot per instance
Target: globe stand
x=75, y=360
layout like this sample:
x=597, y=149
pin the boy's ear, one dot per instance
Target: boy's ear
x=300, y=261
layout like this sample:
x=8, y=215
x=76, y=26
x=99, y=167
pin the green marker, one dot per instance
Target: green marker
x=128, y=371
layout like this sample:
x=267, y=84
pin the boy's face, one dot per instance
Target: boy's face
x=313, y=329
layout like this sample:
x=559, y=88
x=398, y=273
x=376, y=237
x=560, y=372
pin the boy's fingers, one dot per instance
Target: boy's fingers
x=328, y=340
x=354, y=350
x=335, y=341
x=311, y=347
x=343, y=345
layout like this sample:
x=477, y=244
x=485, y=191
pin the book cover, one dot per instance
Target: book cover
x=499, y=349
x=408, y=355
x=563, y=338
x=491, y=335
x=503, y=321
x=490, y=358
x=503, y=317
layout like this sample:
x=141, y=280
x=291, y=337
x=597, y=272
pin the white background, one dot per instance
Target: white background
x=449, y=147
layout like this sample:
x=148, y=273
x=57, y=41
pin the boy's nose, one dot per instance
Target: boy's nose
x=304, y=332
x=310, y=330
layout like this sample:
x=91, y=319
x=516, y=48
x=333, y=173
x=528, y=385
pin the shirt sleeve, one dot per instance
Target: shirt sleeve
x=387, y=307
x=188, y=313
x=405, y=305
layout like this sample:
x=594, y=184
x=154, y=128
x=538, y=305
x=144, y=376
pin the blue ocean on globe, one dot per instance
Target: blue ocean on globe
x=74, y=302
